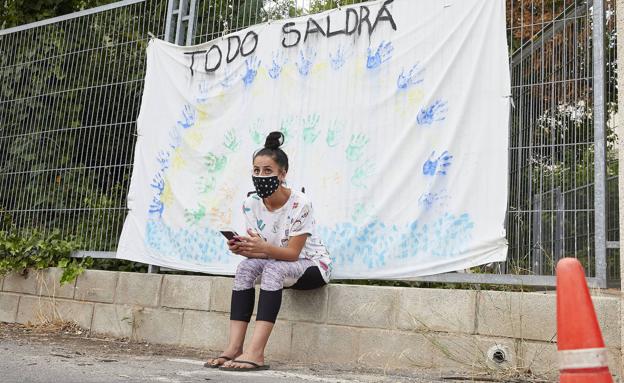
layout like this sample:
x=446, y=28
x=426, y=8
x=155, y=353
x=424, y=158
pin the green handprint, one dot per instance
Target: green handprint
x=194, y=216
x=256, y=132
x=285, y=128
x=359, y=212
x=231, y=140
x=213, y=163
x=361, y=174
x=207, y=184
x=309, y=123
x=333, y=133
x=356, y=146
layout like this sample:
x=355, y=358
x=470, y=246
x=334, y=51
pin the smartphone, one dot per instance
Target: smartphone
x=230, y=235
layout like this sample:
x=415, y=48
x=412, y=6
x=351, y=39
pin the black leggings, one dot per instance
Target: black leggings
x=269, y=302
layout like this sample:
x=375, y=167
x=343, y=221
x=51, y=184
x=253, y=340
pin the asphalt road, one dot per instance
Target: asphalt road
x=40, y=357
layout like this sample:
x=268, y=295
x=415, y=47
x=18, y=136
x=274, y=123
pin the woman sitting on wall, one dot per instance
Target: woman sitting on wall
x=281, y=244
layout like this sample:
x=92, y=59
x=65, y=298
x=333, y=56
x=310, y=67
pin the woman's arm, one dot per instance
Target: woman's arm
x=255, y=244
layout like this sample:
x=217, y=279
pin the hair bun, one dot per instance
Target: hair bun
x=274, y=140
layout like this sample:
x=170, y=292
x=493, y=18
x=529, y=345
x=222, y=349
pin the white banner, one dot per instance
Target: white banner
x=396, y=122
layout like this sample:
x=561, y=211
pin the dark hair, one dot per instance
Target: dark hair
x=272, y=149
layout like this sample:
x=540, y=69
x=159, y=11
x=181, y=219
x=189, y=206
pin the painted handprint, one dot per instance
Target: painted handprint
x=432, y=113
x=256, y=132
x=214, y=163
x=310, y=133
x=381, y=55
x=278, y=63
x=231, y=141
x=413, y=77
x=333, y=133
x=361, y=174
x=188, y=117
x=285, y=128
x=207, y=184
x=229, y=79
x=360, y=212
x=252, y=64
x=429, y=199
x=437, y=166
x=156, y=207
x=338, y=59
x=304, y=64
x=163, y=159
x=175, y=138
x=158, y=183
x=194, y=216
x=202, y=96
x=355, y=150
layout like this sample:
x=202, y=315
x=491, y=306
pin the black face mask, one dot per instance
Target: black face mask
x=265, y=186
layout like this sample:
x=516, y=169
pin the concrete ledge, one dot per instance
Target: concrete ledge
x=8, y=307
x=316, y=343
x=221, y=294
x=49, y=284
x=523, y=315
x=138, y=289
x=306, y=306
x=205, y=329
x=363, y=306
x=36, y=310
x=158, y=325
x=366, y=326
x=431, y=310
x=96, y=286
x=186, y=292
x=21, y=284
x=113, y=320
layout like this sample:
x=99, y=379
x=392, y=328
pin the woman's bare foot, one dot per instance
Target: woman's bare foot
x=219, y=361
x=257, y=358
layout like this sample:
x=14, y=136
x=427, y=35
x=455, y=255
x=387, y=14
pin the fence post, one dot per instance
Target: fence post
x=559, y=224
x=600, y=240
x=184, y=13
x=537, y=256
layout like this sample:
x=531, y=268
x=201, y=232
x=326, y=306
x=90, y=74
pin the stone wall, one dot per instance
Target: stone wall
x=368, y=326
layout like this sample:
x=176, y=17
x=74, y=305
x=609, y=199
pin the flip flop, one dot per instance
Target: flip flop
x=210, y=365
x=256, y=366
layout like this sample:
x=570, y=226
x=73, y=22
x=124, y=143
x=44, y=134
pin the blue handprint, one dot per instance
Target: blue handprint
x=156, y=207
x=278, y=62
x=437, y=166
x=252, y=70
x=337, y=60
x=434, y=112
x=413, y=77
x=202, y=97
x=429, y=199
x=188, y=117
x=158, y=183
x=229, y=79
x=175, y=138
x=163, y=159
x=383, y=54
x=304, y=64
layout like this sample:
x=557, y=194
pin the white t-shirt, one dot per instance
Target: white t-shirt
x=293, y=219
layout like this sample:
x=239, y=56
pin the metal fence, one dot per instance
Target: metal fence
x=71, y=86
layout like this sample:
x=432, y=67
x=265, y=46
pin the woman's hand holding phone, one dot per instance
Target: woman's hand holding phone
x=245, y=246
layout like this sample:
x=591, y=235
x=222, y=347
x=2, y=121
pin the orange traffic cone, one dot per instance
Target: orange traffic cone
x=582, y=352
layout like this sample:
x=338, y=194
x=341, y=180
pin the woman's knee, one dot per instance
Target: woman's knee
x=246, y=273
x=249, y=266
x=273, y=277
